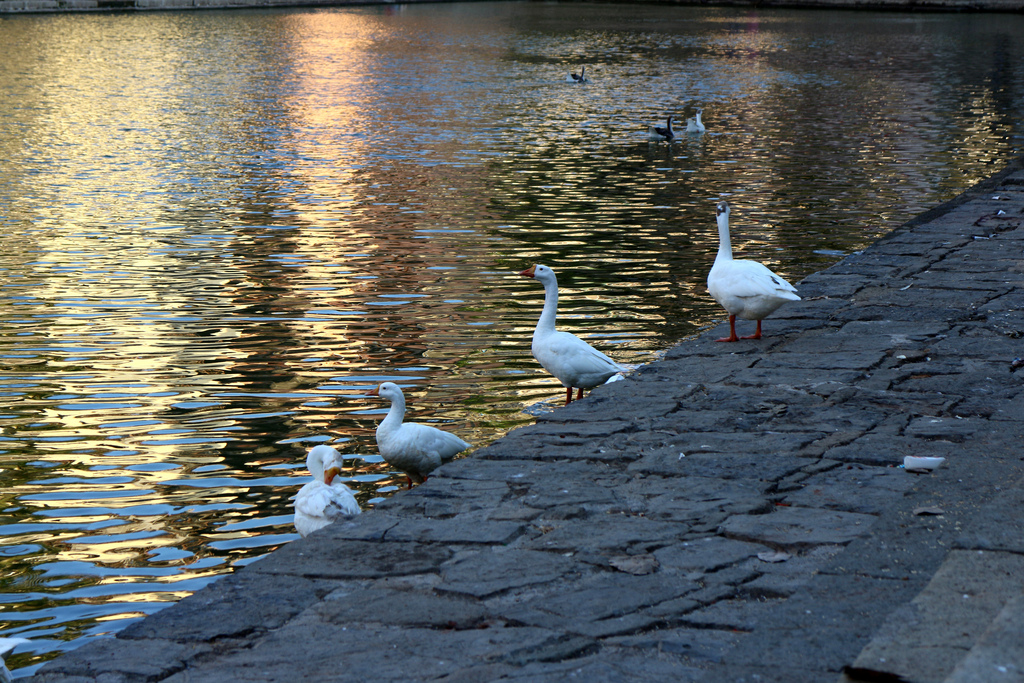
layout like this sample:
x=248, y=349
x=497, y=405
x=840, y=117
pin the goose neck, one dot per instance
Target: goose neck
x=395, y=414
x=724, y=242
x=547, y=315
x=315, y=466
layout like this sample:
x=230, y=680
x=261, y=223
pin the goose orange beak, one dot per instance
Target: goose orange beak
x=372, y=392
x=528, y=272
x=330, y=474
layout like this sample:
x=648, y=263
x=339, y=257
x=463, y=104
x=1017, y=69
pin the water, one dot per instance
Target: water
x=220, y=229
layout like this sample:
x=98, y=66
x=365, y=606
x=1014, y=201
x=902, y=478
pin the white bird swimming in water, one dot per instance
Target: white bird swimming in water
x=414, y=448
x=695, y=125
x=325, y=499
x=746, y=289
x=574, y=362
x=7, y=646
x=659, y=133
x=581, y=77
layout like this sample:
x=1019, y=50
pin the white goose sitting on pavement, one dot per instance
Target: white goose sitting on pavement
x=574, y=362
x=325, y=499
x=414, y=448
x=746, y=289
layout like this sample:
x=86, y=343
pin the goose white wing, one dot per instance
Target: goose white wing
x=745, y=279
x=318, y=505
x=573, y=361
x=430, y=441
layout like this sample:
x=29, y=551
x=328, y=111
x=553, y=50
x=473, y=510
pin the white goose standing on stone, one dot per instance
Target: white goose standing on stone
x=746, y=289
x=574, y=362
x=325, y=499
x=413, y=448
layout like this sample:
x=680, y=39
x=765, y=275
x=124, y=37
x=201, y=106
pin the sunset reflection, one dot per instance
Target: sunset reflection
x=223, y=228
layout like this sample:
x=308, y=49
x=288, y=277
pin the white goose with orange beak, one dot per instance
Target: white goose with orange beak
x=746, y=289
x=574, y=362
x=325, y=499
x=411, y=447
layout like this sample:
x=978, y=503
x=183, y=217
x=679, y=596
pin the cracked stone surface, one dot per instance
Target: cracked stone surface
x=733, y=512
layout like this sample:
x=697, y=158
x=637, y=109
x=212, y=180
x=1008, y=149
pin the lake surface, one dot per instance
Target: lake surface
x=220, y=229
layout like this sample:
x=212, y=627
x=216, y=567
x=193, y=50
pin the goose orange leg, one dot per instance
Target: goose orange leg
x=732, y=330
x=579, y=394
x=568, y=395
x=756, y=335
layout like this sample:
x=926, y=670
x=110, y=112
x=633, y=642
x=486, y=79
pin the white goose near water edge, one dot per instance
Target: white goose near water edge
x=746, y=289
x=574, y=362
x=413, y=448
x=325, y=499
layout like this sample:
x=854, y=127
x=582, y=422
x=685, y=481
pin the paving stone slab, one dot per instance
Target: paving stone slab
x=117, y=659
x=696, y=646
x=604, y=533
x=853, y=488
x=609, y=594
x=998, y=656
x=707, y=455
x=327, y=558
x=484, y=573
x=707, y=554
x=795, y=527
x=473, y=527
x=826, y=624
x=926, y=639
x=408, y=608
x=781, y=579
x=997, y=524
x=238, y=605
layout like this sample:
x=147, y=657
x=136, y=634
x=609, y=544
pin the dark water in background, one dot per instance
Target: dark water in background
x=221, y=228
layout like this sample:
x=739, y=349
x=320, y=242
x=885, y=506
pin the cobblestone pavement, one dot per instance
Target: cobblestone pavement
x=735, y=512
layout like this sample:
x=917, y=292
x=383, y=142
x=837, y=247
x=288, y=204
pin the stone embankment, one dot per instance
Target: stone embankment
x=25, y=6
x=735, y=512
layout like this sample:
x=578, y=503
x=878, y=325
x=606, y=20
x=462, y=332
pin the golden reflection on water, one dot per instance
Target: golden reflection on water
x=217, y=241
